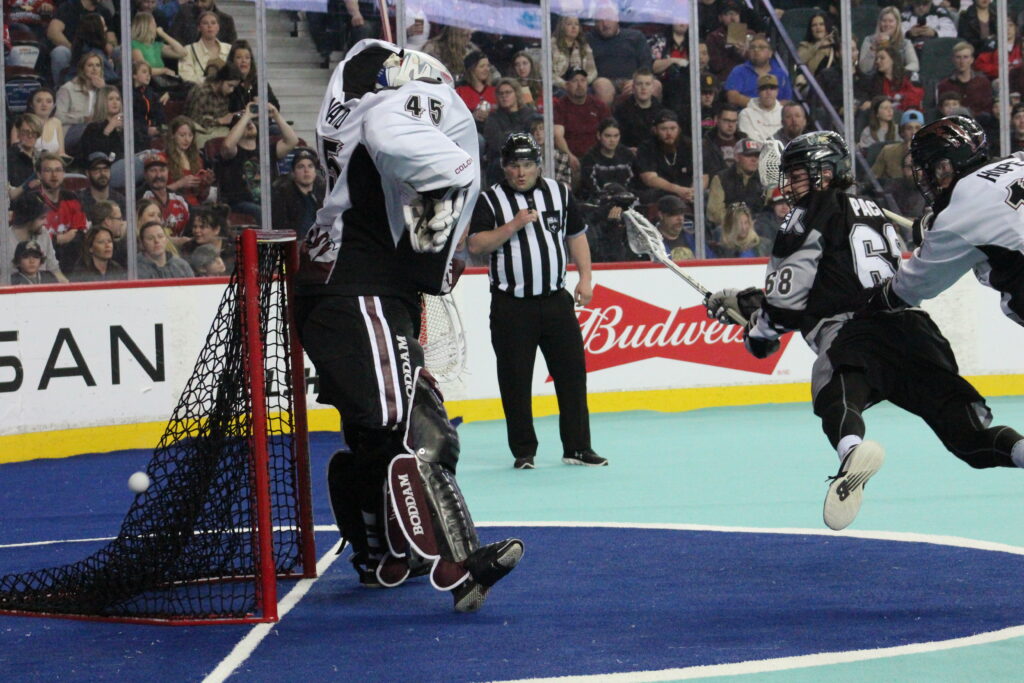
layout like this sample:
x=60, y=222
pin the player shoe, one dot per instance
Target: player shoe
x=846, y=490
x=487, y=566
x=524, y=463
x=585, y=457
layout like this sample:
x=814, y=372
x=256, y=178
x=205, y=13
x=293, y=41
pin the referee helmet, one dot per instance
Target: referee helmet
x=520, y=147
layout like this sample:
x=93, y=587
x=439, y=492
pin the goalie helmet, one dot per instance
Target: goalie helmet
x=411, y=65
x=520, y=147
x=943, y=152
x=815, y=152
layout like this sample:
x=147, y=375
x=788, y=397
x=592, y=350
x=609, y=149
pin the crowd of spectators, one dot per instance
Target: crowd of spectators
x=621, y=111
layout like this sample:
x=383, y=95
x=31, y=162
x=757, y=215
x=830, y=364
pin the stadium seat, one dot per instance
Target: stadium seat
x=864, y=19
x=74, y=182
x=19, y=84
x=871, y=153
x=174, y=108
x=936, y=59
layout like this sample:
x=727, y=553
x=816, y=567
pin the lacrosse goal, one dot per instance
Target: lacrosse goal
x=228, y=511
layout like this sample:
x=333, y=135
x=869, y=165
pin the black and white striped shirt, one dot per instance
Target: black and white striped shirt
x=533, y=261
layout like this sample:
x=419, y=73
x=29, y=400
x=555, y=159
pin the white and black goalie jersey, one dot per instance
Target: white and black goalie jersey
x=981, y=228
x=380, y=149
x=832, y=248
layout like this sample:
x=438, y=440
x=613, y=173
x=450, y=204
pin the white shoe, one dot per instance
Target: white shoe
x=842, y=503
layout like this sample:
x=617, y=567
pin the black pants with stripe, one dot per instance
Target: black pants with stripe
x=520, y=326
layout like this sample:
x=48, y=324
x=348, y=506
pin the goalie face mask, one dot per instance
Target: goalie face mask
x=412, y=65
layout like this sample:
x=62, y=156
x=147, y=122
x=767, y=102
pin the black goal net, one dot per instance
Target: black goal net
x=227, y=512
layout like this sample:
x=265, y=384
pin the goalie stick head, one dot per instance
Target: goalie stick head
x=823, y=155
x=943, y=152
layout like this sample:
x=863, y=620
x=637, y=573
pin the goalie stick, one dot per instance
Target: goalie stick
x=769, y=170
x=645, y=240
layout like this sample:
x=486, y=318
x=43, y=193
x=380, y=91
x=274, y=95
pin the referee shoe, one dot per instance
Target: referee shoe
x=585, y=457
x=487, y=566
x=846, y=490
x=525, y=463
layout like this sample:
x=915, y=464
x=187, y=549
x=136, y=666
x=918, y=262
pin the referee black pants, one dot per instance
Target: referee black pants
x=519, y=326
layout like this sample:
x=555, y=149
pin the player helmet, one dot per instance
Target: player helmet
x=412, y=65
x=815, y=152
x=946, y=150
x=520, y=147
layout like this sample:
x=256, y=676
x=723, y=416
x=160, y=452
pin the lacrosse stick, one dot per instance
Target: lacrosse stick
x=442, y=338
x=768, y=168
x=645, y=240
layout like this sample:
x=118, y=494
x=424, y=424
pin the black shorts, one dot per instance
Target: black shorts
x=907, y=361
x=366, y=353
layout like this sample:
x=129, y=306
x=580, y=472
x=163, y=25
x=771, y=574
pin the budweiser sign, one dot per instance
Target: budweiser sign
x=618, y=329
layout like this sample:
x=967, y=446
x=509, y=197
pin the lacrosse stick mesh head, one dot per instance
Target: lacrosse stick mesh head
x=642, y=237
x=442, y=338
x=769, y=164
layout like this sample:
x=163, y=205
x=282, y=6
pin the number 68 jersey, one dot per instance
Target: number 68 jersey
x=830, y=250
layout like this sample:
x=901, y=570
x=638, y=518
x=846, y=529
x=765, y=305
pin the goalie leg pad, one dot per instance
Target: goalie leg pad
x=428, y=433
x=357, y=510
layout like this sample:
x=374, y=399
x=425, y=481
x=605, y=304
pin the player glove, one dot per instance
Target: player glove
x=922, y=225
x=881, y=299
x=431, y=216
x=759, y=339
x=743, y=301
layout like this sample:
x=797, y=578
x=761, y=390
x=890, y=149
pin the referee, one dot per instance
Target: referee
x=526, y=224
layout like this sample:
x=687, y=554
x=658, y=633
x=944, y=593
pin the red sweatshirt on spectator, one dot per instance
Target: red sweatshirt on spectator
x=988, y=62
x=975, y=94
x=580, y=121
x=905, y=96
x=65, y=215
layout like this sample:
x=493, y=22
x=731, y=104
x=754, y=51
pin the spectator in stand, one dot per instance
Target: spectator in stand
x=451, y=46
x=881, y=123
x=737, y=183
x=709, y=101
x=663, y=161
x=618, y=53
x=186, y=173
x=739, y=239
x=724, y=54
x=476, y=89
x=417, y=26
x=76, y=99
x=719, y=148
x=975, y=89
x=239, y=174
x=109, y=215
x=577, y=116
x=241, y=56
x=767, y=223
x=21, y=157
x=147, y=210
x=564, y=172
x=63, y=27
x=28, y=265
x=607, y=162
x=761, y=119
x=510, y=116
x=97, y=262
x=185, y=27
x=210, y=228
x=709, y=11
x=820, y=41
x=988, y=62
x=636, y=113
x=206, y=262
x=889, y=163
x=174, y=210
x=192, y=67
x=97, y=173
x=149, y=116
x=28, y=225
x=297, y=196
x=151, y=44
x=42, y=103
x=524, y=72
x=670, y=52
x=91, y=38
x=1017, y=128
x=830, y=78
x=65, y=220
x=923, y=21
x=157, y=254
x=892, y=81
x=676, y=227
x=164, y=14
x=500, y=48
x=794, y=122
x=570, y=50
x=105, y=133
x=607, y=234
x=209, y=104
x=888, y=33
x=949, y=104
x=977, y=26
x=743, y=82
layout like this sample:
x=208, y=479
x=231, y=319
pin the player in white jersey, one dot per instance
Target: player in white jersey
x=977, y=219
x=400, y=150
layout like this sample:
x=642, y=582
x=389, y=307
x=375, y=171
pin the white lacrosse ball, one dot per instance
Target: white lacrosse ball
x=138, y=482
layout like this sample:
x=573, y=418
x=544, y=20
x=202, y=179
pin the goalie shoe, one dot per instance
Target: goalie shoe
x=487, y=566
x=846, y=490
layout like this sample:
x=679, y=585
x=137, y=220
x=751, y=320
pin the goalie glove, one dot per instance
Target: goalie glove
x=431, y=217
x=743, y=301
x=759, y=338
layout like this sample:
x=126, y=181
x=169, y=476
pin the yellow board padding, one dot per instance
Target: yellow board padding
x=68, y=442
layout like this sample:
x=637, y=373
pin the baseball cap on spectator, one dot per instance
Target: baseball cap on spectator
x=572, y=72
x=671, y=205
x=27, y=248
x=99, y=159
x=665, y=115
x=27, y=208
x=302, y=153
x=747, y=146
x=728, y=6
x=708, y=83
x=154, y=159
x=767, y=81
x=912, y=116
